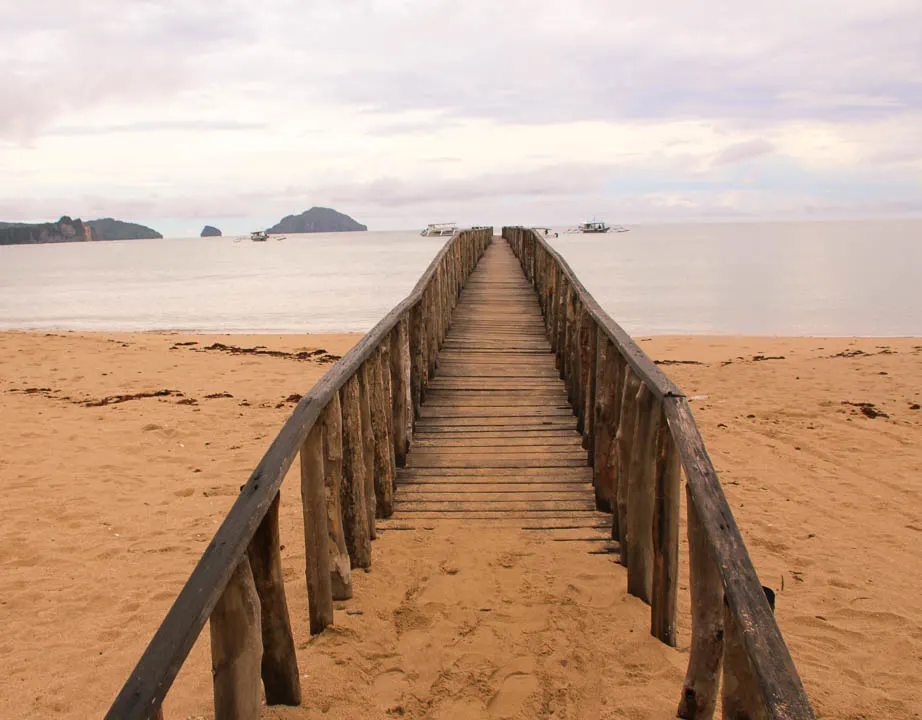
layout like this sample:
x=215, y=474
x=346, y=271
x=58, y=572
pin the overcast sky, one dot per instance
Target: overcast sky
x=405, y=112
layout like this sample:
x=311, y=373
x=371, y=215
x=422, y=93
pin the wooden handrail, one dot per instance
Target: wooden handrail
x=427, y=308
x=632, y=468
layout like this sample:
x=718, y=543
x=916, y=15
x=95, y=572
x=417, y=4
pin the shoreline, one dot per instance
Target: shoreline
x=108, y=506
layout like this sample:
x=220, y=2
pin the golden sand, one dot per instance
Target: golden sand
x=106, y=506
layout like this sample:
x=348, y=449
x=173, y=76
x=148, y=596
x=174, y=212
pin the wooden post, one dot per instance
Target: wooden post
x=740, y=696
x=340, y=567
x=550, y=314
x=403, y=402
x=561, y=329
x=416, y=358
x=589, y=401
x=316, y=534
x=432, y=325
x=641, y=496
x=384, y=466
x=566, y=364
x=368, y=442
x=586, y=350
x=699, y=692
x=603, y=424
x=622, y=447
x=666, y=537
x=355, y=515
x=237, y=648
x=279, y=663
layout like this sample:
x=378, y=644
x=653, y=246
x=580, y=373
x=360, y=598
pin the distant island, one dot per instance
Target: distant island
x=109, y=229
x=316, y=220
x=69, y=230
x=210, y=231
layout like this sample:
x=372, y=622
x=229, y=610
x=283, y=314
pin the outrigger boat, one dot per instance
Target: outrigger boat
x=439, y=229
x=597, y=227
x=259, y=236
x=594, y=227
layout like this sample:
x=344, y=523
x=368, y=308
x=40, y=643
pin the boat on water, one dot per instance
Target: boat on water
x=439, y=229
x=259, y=236
x=595, y=227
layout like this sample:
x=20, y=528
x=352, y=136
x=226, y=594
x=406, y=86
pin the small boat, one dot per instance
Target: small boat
x=594, y=227
x=259, y=236
x=439, y=229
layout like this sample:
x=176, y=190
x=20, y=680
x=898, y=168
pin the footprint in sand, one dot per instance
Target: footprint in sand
x=389, y=687
x=514, y=691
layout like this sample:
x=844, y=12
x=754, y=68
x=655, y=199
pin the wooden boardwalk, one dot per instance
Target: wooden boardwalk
x=496, y=441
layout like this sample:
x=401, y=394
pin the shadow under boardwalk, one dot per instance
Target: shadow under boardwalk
x=496, y=442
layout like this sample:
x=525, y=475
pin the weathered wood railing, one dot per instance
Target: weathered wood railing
x=351, y=429
x=640, y=433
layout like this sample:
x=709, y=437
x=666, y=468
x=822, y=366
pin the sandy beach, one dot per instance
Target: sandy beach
x=122, y=452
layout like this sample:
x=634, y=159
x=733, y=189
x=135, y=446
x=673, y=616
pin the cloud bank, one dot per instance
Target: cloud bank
x=399, y=109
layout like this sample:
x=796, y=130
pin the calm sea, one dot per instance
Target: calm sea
x=817, y=278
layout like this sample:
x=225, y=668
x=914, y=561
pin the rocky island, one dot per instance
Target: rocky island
x=64, y=230
x=210, y=231
x=110, y=229
x=69, y=230
x=316, y=220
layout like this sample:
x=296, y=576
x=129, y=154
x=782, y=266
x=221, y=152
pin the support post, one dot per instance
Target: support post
x=400, y=383
x=279, y=663
x=368, y=443
x=603, y=425
x=237, y=648
x=641, y=496
x=666, y=537
x=384, y=464
x=316, y=534
x=352, y=497
x=622, y=448
x=340, y=566
x=740, y=696
x=699, y=692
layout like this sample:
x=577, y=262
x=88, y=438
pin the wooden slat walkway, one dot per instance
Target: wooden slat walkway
x=496, y=441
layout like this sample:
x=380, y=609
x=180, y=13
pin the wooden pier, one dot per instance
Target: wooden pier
x=498, y=392
x=496, y=439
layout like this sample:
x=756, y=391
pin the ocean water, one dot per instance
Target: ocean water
x=817, y=278
x=858, y=278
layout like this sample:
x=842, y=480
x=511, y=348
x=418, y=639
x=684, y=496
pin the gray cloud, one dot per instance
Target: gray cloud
x=553, y=61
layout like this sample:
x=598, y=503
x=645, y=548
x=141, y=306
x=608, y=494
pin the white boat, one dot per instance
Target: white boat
x=439, y=229
x=259, y=236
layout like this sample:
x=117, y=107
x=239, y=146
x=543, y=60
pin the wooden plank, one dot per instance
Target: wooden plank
x=511, y=450
x=501, y=514
x=550, y=461
x=546, y=443
x=553, y=526
x=522, y=494
x=430, y=412
x=582, y=474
